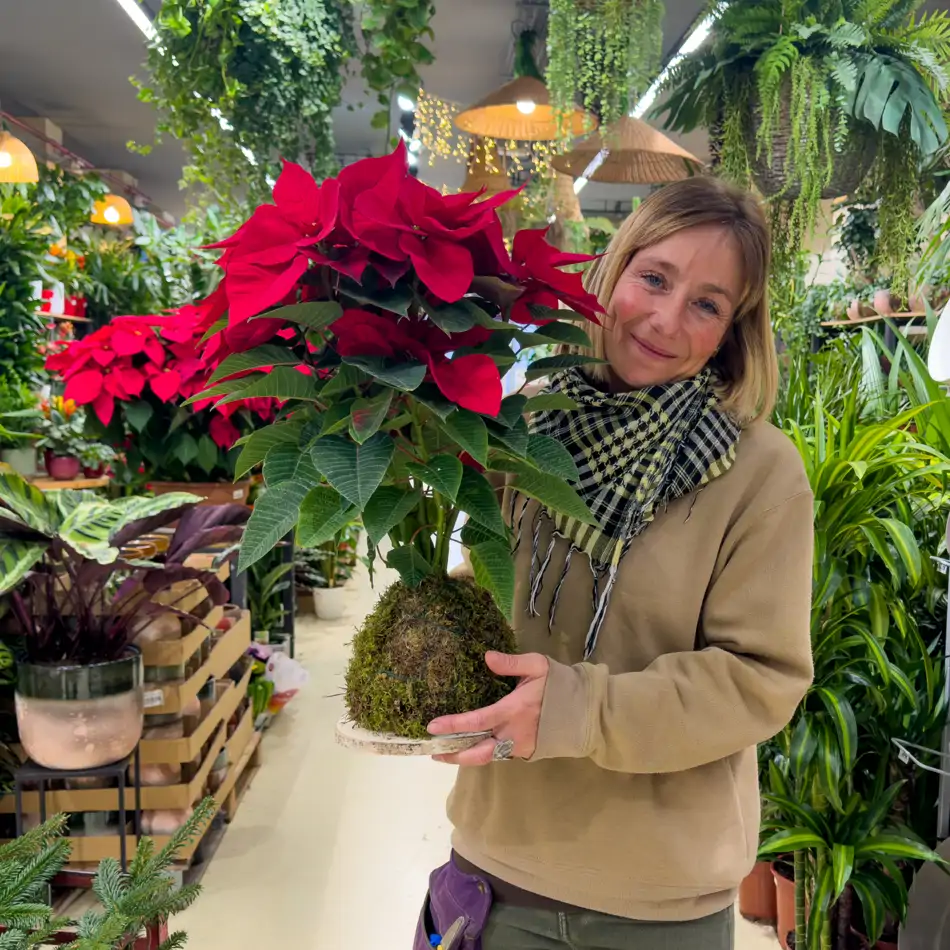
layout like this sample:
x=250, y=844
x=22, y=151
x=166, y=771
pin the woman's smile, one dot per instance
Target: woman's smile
x=650, y=350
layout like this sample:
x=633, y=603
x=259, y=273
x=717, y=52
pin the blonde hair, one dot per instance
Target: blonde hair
x=746, y=362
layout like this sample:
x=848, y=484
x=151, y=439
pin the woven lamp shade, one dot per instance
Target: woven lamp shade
x=638, y=155
x=17, y=164
x=498, y=115
x=485, y=170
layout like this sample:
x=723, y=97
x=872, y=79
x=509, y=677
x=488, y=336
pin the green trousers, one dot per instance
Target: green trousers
x=520, y=928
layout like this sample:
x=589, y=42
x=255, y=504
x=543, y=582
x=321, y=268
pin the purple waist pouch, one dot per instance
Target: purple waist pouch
x=456, y=909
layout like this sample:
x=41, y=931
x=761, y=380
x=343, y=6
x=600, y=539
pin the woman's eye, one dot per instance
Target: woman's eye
x=654, y=280
x=709, y=307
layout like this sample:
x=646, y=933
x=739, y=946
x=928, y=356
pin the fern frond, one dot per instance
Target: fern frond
x=175, y=941
x=930, y=67
x=847, y=35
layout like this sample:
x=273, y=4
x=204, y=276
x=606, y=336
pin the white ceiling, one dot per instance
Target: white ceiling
x=70, y=61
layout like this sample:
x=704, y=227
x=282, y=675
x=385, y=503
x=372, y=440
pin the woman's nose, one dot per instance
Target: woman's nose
x=667, y=316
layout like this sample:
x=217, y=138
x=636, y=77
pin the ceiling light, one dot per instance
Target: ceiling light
x=414, y=145
x=17, y=164
x=405, y=103
x=525, y=106
x=138, y=16
x=412, y=159
x=113, y=210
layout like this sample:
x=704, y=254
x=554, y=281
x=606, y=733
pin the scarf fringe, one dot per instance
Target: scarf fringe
x=539, y=580
x=556, y=596
x=602, y=601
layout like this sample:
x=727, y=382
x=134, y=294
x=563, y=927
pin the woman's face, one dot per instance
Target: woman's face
x=672, y=307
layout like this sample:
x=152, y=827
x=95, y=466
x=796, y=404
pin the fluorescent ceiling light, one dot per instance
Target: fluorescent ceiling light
x=138, y=16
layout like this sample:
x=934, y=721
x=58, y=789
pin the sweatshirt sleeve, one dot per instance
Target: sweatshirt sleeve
x=687, y=709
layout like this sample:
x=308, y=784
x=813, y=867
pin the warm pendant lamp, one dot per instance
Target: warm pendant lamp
x=636, y=154
x=17, y=164
x=520, y=110
x=113, y=211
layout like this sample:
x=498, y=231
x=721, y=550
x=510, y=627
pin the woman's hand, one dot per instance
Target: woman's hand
x=515, y=717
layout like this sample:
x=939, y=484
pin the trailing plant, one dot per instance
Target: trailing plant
x=393, y=49
x=76, y=596
x=826, y=81
x=604, y=53
x=330, y=564
x=244, y=83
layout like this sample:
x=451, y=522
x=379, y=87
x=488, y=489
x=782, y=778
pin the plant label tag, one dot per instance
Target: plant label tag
x=903, y=755
x=237, y=494
x=153, y=698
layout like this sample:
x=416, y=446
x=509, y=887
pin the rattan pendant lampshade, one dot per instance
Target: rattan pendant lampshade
x=637, y=154
x=519, y=110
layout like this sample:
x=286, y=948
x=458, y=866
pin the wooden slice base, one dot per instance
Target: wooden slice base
x=351, y=736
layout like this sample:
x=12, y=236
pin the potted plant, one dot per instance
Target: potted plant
x=61, y=437
x=266, y=582
x=96, y=457
x=803, y=97
x=18, y=416
x=401, y=308
x=326, y=568
x=135, y=373
x=79, y=602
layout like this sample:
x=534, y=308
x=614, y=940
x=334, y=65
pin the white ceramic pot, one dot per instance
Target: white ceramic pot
x=329, y=602
x=22, y=461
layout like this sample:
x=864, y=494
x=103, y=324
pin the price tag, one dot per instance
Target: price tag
x=903, y=755
x=238, y=493
x=154, y=698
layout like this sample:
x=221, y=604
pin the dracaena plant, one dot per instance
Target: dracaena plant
x=383, y=314
x=77, y=596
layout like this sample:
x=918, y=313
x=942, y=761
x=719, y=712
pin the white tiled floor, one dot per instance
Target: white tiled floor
x=331, y=849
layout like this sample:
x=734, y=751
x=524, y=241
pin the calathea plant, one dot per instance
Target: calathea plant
x=401, y=310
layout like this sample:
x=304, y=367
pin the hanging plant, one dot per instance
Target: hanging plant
x=244, y=83
x=603, y=52
x=805, y=99
x=392, y=36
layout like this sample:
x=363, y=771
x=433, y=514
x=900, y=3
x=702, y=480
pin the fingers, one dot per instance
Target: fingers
x=517, y=665
x=480, y=754
x=478, y=720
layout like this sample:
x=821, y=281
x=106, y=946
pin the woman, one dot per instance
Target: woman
x=658, y=650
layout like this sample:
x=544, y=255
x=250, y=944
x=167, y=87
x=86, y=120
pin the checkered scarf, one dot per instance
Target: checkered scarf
x=635, y=452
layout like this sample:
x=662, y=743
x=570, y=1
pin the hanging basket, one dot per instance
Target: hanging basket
x=849, y=166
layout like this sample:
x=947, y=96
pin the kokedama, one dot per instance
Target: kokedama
x=381, y=314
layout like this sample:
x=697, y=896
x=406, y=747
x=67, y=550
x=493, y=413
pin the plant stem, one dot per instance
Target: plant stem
x=801, y=876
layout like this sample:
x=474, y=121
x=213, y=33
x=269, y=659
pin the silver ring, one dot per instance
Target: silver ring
x=504, y=750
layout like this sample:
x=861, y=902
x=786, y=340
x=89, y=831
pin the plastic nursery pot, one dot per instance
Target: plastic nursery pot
x=757, y=897
x=214, y=493
x=22, y=461
x=80, y=717
x=63, y=468
x=784, y=875
x=329, y=602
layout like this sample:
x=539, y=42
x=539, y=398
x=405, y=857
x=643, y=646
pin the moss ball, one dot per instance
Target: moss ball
x=421, y=654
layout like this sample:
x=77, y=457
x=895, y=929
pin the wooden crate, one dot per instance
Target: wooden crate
x=177, y=652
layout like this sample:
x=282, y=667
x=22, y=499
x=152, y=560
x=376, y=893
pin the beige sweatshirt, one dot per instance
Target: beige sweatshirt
x=642, y=799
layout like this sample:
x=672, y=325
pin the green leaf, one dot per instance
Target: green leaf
x=336, y=418
x=402, y=376
x=545, y=402
x=842, y=859
x=443, y=474
x=138, y=413
x=541, y=312
x=872, y=905
x=227, y=388
x=803, y=746
x=470, y=432
x=17, y=559
x=791, y=839
x=473, y=533
x=396, y=299
x=821, y=899
x=551, y=364
x=512, y=409
x=387, y=508
x=289, y=463
x=282, y=383
x=355, y=471
x=185, y=448
x=552, y=492
x=207, y=453
x=494, y=570
x=28, y=503
x=345, y=378
x=367, y=415
x=902, y=537
x=513, y=439
x=220, y=324
x=259, y=443
x=314, y=315
x=896, y=846
x=842, y=715
x=266, y=355
x=477, y=499
x=564, y=333
x=451, y=317
x=275, y=514
x=413, y=568
x=322, y=514
x=551, y=457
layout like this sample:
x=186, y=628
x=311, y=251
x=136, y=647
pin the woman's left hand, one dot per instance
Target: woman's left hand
x=515, y=717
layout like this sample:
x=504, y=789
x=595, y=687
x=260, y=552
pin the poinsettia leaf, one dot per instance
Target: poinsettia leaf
x=266, y=355
x=336, y=418
x=470, y=432
x=396, y=299
x=551, y=457
x=431, y=397
x=368, y=414
x=323, y=512
x=495, y=571
x=259, y=443
x=315, y=314
x=282, y=382
x=545, y=402
x=220, y=324
x=288, y=463
x=413, y=568
x=474, y=533
x=512, y=409
x=138, y=412
x=275, y=514
x=514, y=439
x=478, y=500
x=541, y=312
x=551, y=491
x=551, y=364
x=185, y=448
x=227, y=388
x=388, y=506
x=557, y=332
x=207, y=456
x=443, y=474
x=345, y=378
x=355, y=471
x=403, y=376
x=451, y=317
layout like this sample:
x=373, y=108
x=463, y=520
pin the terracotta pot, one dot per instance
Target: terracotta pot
x=214, y=493
x=757, y=898
x=80, y=717
x=329, y=602
x=785, y=901
x=883, y=302
x=63, y=468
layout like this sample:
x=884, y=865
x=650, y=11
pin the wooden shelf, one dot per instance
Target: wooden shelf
x=44, y=483
x=874, y=319
x=62, y=316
